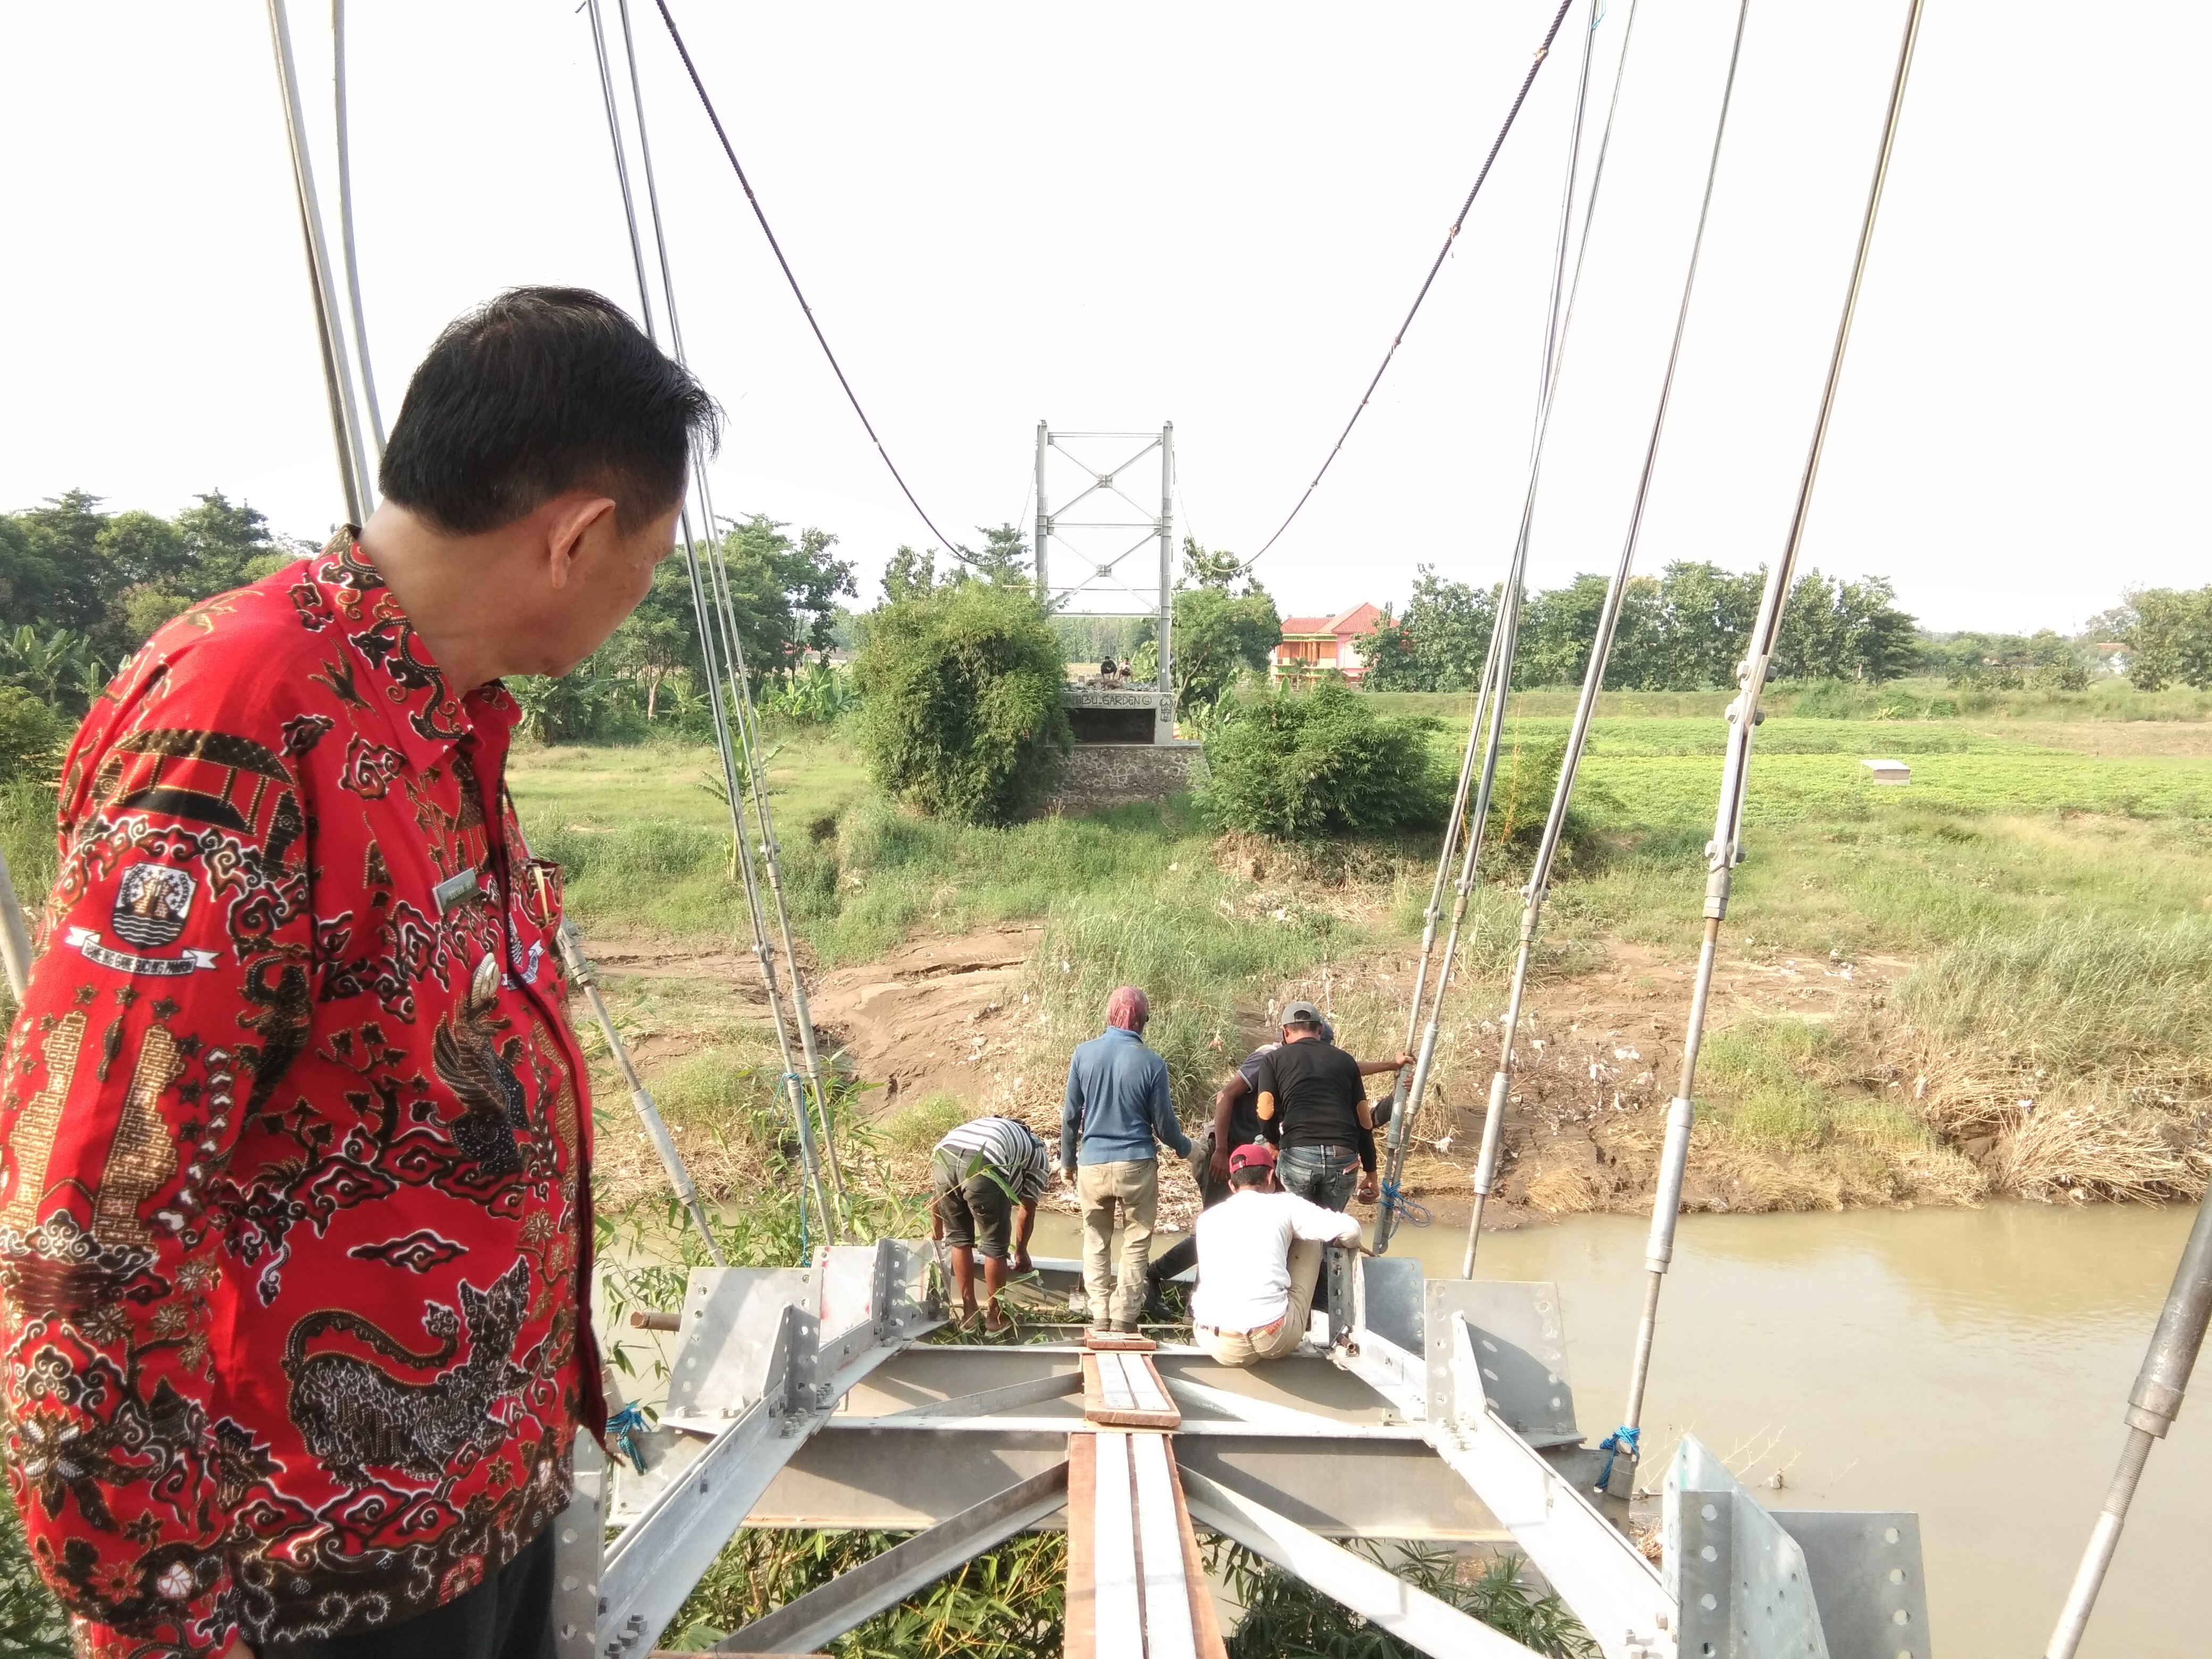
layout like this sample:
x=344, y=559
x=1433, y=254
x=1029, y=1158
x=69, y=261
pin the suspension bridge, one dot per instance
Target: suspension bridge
x=822, y=1395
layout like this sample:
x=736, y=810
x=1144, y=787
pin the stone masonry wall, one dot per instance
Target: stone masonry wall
x=1110, y=774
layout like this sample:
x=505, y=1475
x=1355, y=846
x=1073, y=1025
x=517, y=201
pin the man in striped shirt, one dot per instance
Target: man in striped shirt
x=981, y=1175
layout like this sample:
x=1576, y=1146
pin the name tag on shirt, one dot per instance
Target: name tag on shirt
x=456, y=889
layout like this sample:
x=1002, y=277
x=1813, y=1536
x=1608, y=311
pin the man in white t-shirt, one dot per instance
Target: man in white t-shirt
x=1259, y=1255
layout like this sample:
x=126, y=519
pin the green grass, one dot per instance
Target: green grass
x=918, y=1127
x=1204, y=971
x=2078, y=993
x=2013, y=828
x=1760, y=1073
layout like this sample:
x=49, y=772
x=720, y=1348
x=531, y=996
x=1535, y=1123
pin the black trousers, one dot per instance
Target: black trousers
x=508, y=1616
x=1183, y=1255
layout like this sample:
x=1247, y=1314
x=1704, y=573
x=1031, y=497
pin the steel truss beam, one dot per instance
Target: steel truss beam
x=1377, y=1595
x=851, y=1599
x=1434, y=1410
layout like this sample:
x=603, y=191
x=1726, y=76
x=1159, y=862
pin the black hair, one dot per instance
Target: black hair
x=1251, y=1175
x=542, y=391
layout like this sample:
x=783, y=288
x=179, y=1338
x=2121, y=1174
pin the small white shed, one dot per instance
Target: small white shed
x=1888, y=771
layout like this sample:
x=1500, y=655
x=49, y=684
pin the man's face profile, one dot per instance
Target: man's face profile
x=607, y=576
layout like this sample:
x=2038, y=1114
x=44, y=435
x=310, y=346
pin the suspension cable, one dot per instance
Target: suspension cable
x=1486, y=732
x=738, y=768
x=798, y=294
x=1743, y=716
x=1451, y=236
x=751, y=744
x=1592, y=679
x=356, y=476
x=345, y=228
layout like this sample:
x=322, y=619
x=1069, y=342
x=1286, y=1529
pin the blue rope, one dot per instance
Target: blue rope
x=1622, y=1439
x=1417, y=1215
x=625, y=1425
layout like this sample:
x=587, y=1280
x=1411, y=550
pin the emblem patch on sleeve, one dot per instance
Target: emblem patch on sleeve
x=151, y=903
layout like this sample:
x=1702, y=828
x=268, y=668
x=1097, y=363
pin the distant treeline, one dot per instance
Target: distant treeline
x=1683, y=630
x=1686, y=630
x=80, y=588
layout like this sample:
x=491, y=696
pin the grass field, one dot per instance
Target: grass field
x=2048, y=871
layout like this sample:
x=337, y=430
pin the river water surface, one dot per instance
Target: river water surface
x=1972, y=1365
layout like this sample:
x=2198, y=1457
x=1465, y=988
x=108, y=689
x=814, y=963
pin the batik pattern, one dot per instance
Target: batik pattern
x=295, y=1209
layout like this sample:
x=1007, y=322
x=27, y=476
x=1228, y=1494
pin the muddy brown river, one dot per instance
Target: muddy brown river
x=1969, y=1365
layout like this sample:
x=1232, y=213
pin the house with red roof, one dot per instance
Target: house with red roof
x=1316, y=644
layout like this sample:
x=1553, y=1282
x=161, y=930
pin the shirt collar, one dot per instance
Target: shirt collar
x=1123, y=1031
x=388, y=663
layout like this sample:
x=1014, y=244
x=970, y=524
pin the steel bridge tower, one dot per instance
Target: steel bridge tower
x=1075, y=500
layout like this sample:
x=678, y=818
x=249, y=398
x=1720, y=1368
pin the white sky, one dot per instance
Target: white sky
x=1110, y=216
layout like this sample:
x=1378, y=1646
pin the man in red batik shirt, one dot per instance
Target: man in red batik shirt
x=296, y=1209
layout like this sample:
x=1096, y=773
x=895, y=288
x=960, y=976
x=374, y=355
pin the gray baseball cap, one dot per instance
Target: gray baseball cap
x=1301, y=1013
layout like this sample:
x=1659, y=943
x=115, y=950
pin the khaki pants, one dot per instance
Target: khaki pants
x=1245, y=1347
x=1134, y=1188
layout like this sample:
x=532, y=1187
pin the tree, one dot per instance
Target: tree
x=227, y=546
x=1226, y=626
x=1306, y=765
x=1005, y=556
x=113, y=577
x=2169, y=638
x=48, y=664
x=659, y=640
x=1557, y=628
x=1204, y=567
x=785, y=593
x=1220, y=637
x=1706, y=618
x=1440, y=643
x=909, y=573
x=32, y=735
x=960, y=706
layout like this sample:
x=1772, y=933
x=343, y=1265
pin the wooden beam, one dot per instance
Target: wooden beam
x=1122, y=1391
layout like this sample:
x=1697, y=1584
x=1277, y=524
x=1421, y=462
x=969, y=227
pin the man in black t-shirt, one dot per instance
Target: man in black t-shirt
x=1312, y=1097
x=1236, y=1123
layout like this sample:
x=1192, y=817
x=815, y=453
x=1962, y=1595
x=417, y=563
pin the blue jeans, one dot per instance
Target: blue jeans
x=1325, y=1174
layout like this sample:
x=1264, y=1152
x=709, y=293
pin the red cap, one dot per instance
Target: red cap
x=1257, y=1156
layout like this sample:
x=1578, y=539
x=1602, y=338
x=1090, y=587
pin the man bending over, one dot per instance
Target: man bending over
x=983, y=1173
x=1313, y=1100
x=1259, y=1256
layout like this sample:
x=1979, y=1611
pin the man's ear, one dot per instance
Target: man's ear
x=572, y=518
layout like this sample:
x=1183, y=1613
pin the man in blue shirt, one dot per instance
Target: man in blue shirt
x=1117, y=1105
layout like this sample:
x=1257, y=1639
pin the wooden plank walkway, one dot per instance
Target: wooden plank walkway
x=1136, y=1587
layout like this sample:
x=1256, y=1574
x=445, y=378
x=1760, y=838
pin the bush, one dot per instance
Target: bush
x=1307, y=765
x=590, y=704
x=960, y=707
x=32, y=735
